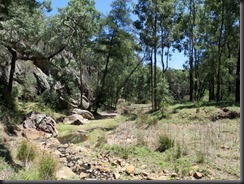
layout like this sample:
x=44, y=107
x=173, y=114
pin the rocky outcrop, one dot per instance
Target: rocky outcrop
x=74, y=119
x=85, y=113
x=40, y=122
x=32, y=78
x=42, y=80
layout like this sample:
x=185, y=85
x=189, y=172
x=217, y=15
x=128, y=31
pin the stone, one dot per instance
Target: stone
x=75, y=119
x=42, y=122
x=85, y=113
x=174, y=174
x=157, y=178
x=121, y=162
x=116, y=176
x=225, y=147
x=33, y=134
x=130, y=169
x=41, y=79
x=74, y=137
x=197, y=175
x=165, y=171
x=83, y=175
x=65, y=173
x=66, y=104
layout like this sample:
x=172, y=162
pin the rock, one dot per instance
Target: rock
x=116, y=176
x=191, y=173
x=75, y=119
x=157, y=178
x=74, y=137
x=42, y=122
x=33, y=134
x=67, y=104
x=165, y=171
x=130, y=169
x=65, y=173
x=83, y=175
x=85, y=113
x=77, y=122
x=225, y=147
x=144, y=174
x=41, y=79
x=197, y=175
x=174, y=174
x=70, y=164
x=121, y=162
x=85, y=103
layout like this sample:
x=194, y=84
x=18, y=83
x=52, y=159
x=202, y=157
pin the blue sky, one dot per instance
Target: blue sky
x=177, y=59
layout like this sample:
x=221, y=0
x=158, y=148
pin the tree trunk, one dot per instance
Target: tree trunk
x=192, y=6
x=12, y=70
x=237, y=96
x=151, y=73
x=100, y=90
x=155, y=80
x=220, y=54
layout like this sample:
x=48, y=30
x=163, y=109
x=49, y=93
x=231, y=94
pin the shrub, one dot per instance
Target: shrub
x=26, y=152
x=47, y=168
x=145, y=119
x=164, y=110
x=200, y=157
x=165, y=143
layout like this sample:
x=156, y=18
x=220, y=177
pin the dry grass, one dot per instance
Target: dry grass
x=214, y=147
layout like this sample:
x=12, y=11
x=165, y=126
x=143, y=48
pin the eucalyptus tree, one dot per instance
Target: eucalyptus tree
x=21, y=29
x=82, y=19
x=115, y=46
x=221, y=43
x=157, y=29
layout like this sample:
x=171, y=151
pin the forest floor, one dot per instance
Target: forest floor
x=178, y=142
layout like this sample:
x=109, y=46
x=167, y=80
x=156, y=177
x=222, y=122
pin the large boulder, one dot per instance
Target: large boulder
x=85, y=113
x=74, y=119
x=41, y=122
x=42, y=80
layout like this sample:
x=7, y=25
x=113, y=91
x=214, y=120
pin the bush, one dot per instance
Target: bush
x=26, y=152
x=164, y=110
x=165, y=143
x=145, y=119
x=47, y=168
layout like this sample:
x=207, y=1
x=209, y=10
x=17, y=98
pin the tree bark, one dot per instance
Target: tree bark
x=237, y=96
x=220, y=54
x=100, y=91
x=12, y=70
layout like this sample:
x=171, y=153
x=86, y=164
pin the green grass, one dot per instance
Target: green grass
x=64, y=129
x=27, y=107
x=153, y=160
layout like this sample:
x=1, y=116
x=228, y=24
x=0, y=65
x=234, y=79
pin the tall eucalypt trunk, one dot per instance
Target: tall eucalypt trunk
x=11, y=75
x=220, y=50
x=237, y=98
x=101, y=89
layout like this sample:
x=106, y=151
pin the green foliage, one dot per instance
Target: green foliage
x=182, y=166
x=47, y=167
x=123, y=151
x=165, y=143
x=146, y=119
x=26, y=152
x=50, y=98
x=164, y=110
x=200, y=157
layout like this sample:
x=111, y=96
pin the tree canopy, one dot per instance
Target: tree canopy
x=121, y=56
